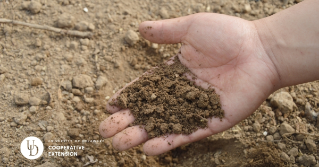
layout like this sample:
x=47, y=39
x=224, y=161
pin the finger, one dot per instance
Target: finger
x=113, y=109
x=166, y=31
x=129, y=137
x=116, y=123
x=161, y=145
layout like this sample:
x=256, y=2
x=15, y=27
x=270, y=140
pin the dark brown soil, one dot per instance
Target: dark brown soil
x=166, y=102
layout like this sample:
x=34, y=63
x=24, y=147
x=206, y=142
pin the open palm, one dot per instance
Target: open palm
x=224, y=52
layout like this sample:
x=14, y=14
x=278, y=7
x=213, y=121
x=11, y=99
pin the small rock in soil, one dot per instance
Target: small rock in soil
x=48, y=136
x=20, y=119
x=270, y=138
x=3, y=70
x=36, y=81
x=21, y=99
x=100, y=82
x=306, y=160
x=82, y=81
x=33, y=109
x=163, y=13
x=67, y=85
x=89, y=90
x=77, y=92
x=74, y=45
x=284, y=157
x=131, y=37
x=311, y=115
x=283, y=101
x=281, y=146
x=311, y=145
x=34, y=101
x=65, y=21
x=293, y=152
x=286, y=128
x=2, y=77
x=256, y=127
x=34, y=7
x=68, y=57
x=73, y=132
x=81, y=26
x=272, y=130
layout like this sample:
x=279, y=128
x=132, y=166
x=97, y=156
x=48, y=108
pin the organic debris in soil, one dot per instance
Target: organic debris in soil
x=166, y=102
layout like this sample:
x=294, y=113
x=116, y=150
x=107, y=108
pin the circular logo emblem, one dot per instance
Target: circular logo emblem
x=31, y=147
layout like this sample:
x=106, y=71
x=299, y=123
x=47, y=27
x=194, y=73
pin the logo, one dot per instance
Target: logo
x=31, y=147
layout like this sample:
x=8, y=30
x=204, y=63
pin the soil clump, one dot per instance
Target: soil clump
x=164, y=101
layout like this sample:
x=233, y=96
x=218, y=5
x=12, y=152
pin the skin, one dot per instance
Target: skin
x=245, y=61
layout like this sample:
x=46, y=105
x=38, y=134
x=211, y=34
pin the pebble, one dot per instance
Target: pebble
x=34, y=7
x=100, y=82
x=48, y=108
x=36, y=81
x=20, y=119
x=283, y=101
x=59, y=116
x=82, y=81
x=80, y=62
x=88, y=99
x=311, y=115
x=270, y=138
x=13, y=124
x=311, y=145
x=65, y=21
x=306, y=160
x=91, y=27
x=33, y=109
x=48, y=136
x=281, y=146
x=38, y=42
x=21, y=99
x=293, y=152
x=85, y=42
x=154, y=45
x=284, y=157
x=76, y=99
x=247, y=8
x=50, y=128
x=73, y=132
x=3, y=70
x=2, y=119
x=88, y=90
x=131, y=37
x=77, y=92
x=67, y=85
x=272, y=130
x=34, y=101
x=74, y=45
x=96, y=112
x=163, y=13
x=256, y=127
x=286, y=128
x=2, y=77
x=81, y=26
x=68, y=57
x=46, y=98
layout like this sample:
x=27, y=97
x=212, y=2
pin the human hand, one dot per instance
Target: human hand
x=221, y=50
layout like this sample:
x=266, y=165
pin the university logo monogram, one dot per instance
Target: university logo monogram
x=31, y=147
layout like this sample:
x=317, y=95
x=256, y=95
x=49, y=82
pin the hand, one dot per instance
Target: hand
x=221, y=50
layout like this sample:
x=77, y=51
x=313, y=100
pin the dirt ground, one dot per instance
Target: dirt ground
x=55, y=86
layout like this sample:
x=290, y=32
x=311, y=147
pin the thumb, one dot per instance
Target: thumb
x=166, y=31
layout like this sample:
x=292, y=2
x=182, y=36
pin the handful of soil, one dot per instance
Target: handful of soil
x=166, y=102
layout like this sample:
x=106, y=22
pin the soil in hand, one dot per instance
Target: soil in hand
x=166, y=102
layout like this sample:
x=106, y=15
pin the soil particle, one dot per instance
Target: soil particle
x=293, y=152
x=34, y=7
x=21, y=99
x=286, y=128
x=73, y=132
x=82, y=81
x=284, y=157
x=81, y=26
x=34, y=101
x=67, y=85
x=256, y=127
x=131, y=37
x=36, y=81
x=65, y=21
x=168, y=103
x=306, y=160
x=311, y=145
x=283, y=101
x=100, y=82
x=3, y=70
x=20, y=119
